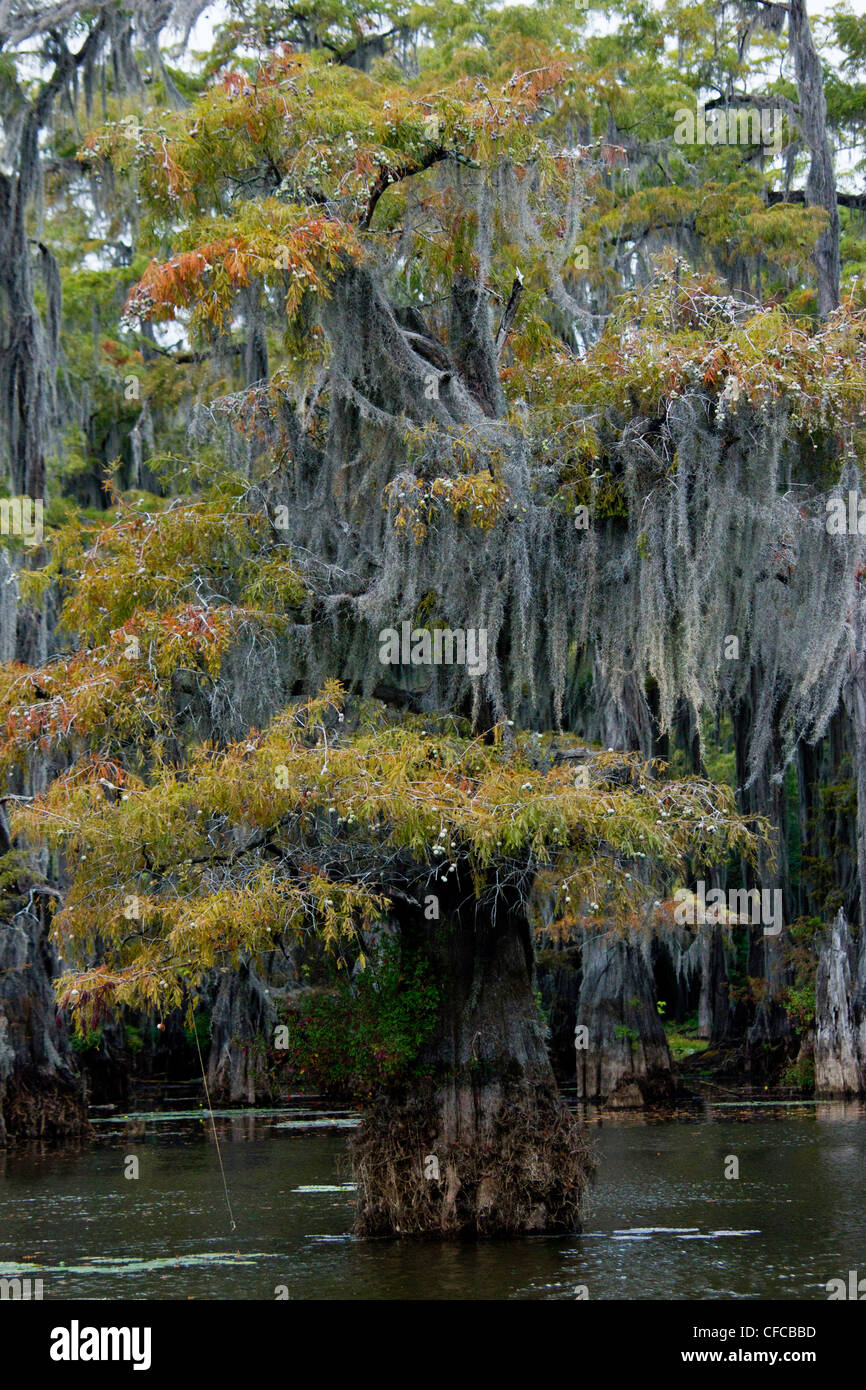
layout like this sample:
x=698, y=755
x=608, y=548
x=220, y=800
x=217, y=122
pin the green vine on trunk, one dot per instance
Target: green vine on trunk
x=365, y=1031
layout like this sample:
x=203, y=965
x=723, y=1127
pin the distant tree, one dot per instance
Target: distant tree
x=73, y=49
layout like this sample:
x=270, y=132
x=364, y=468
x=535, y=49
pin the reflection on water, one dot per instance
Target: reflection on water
x=664, y=1222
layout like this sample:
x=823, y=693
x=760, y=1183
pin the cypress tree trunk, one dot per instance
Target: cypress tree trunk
x=627, y=1061
x=484, y=1145
x=821, y=179
x=839, y=1024
x=242, y=1014
x=41, y=1094
x=858, y=712
x=28, y=354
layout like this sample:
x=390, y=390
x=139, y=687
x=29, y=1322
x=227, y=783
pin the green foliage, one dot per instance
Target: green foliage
x=800, y=1074
x=800, y=1005
x=14, y=867
x=153, y=594
x=834, y=810
x=683, y=1040
x=368, y=1030
x=198, y=1029
x=799, y=998
x=543, y=1011
x=89, y=1040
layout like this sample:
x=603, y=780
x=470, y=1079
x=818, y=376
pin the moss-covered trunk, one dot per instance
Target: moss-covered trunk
x=483, y=1144
x=42, y=1095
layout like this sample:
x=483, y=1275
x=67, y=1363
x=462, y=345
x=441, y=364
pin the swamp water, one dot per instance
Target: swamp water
x=663, y=1223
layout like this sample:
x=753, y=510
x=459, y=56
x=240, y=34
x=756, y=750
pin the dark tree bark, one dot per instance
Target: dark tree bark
x=41, y=1094
x=771, y=1031
x=256, y=345
x=858, y=712
x=840, y=1026
x=626, y=1061
x=242, y=1014
x=29, y=349
x=28, y=362
x=484, y=1145
x=472, y=345
x=821, y=180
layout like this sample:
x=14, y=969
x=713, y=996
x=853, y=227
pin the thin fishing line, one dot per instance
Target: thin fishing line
x=212, y=1120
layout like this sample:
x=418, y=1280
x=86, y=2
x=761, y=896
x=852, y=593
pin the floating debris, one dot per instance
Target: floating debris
x=321, y=1122
x=326, y=1187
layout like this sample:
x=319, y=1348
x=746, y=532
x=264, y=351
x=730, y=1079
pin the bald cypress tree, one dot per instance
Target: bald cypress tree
x=464, y=523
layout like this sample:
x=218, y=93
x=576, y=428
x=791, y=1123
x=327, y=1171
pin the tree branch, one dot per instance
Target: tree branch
x=391, y=174
x=509, y=314
x=845, y=200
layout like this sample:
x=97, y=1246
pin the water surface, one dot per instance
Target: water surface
x=663, y=1223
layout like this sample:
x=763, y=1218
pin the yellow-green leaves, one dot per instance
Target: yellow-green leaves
x=308, y=826
x=149, y=594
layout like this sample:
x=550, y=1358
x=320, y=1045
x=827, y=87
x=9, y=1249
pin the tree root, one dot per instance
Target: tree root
x=528, y=1175
x=36, y=1106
